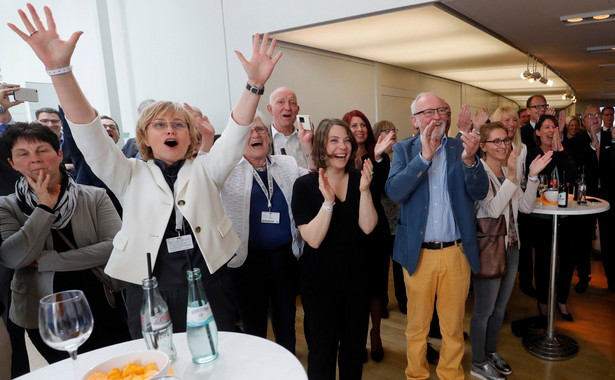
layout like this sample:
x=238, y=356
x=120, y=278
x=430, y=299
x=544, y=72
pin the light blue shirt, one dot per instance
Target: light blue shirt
x=441, y=226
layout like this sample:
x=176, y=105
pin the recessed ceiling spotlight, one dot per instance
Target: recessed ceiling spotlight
x=601, y=49
x=588, y=18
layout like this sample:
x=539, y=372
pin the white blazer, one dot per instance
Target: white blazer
x=236, y=200
x=148, y=201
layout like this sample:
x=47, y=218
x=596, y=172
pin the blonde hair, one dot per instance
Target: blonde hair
x=498, y=114
x=381, y=126
x=150, y=113
x=485, y=132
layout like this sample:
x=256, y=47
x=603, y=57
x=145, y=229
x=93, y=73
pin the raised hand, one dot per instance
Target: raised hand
x=480, y=118
x=471, y=143
x=325, y=188
x=367, y=173
x=539, y=163
x=40, y=188
x=557, y=142
x=511, y=165
x=7, y=89
x=45, y=42
x=261, y=64
x=463, y=119
x=204, y=127
x=561, y=121
x=384, y=144
x=550, y=111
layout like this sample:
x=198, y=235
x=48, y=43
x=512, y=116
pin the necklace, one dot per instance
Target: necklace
x=261, y=168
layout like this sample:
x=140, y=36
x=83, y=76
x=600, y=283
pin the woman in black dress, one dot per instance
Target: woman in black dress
x=368, y=147
x=334, y=212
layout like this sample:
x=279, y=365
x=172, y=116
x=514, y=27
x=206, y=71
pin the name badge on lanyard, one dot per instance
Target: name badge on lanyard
x=180, y=243
x=268, y=217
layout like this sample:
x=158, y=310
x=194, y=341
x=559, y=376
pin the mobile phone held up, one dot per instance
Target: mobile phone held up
x=26, y=94
x=305, y=121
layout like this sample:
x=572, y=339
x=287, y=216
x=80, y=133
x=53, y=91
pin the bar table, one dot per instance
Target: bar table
x=550, y=345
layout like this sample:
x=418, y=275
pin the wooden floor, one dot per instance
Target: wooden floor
x=593, y=328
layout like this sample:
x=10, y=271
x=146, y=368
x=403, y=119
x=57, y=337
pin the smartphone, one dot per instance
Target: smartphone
x=305, y=121
x=26, y=94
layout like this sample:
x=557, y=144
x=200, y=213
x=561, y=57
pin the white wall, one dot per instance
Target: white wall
x=183, y=51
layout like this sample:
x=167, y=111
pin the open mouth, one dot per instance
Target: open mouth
x=171, y=143
x=256, y=143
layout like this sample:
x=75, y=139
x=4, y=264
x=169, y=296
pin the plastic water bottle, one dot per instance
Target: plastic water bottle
x=155, y=320
x=201, y=328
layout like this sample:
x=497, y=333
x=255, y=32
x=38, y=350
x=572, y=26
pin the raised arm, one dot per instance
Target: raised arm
x=315, y=231
x=56, y=54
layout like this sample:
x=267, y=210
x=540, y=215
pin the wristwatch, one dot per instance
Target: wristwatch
x=255, y=90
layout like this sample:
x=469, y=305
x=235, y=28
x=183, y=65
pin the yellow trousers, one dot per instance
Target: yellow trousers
x=445, y=273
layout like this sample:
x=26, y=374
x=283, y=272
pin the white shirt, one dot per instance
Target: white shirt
x=290, y=144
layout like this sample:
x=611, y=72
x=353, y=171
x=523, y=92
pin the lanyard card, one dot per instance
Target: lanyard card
x=270, y=217
x=180, y=243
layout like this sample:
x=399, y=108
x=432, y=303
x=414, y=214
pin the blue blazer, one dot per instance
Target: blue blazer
x=408, y=184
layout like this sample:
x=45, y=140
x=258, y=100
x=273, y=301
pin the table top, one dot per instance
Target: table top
x=242, y=356
x=593, y=206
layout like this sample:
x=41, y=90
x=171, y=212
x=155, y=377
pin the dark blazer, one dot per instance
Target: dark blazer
x=595, y=172
x=408, y=184
x=527, y=136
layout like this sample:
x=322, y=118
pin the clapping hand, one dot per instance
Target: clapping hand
x=539, y=163
x=45, y=42
x=511, y=165
x=325, y=188
x=367, y=173
x=261, y=64
x=384, y=144
x=430, y=141
x=471, y=143
x=463, y=119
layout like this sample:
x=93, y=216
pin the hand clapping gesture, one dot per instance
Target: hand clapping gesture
x=471, y=143
x=430, y=141
x=325, y=188
x=511, y=165
x=384, y=143
x=539, y=163
x=367, y=173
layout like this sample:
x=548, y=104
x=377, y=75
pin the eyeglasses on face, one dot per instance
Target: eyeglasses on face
x=499, y=142
x=540, y=106
x=259, y=130
x=592, y=116
x=429, y=112
x=387, y=131
x=162, y=125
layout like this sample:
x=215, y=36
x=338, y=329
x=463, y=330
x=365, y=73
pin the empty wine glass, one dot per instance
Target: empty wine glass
x=65, y=322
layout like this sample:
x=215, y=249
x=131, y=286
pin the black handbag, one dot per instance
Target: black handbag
x=491, y=235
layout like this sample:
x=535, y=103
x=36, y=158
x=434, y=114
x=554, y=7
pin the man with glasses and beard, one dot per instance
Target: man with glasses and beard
x=436, y=180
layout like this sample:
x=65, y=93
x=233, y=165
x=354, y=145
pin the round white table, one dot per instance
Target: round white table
x=552, y=346
x=242, y=356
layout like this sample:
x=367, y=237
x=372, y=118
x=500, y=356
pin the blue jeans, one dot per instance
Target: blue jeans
x=490, y=299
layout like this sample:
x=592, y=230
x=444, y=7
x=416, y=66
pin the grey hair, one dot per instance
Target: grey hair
x=419, y=97
x=588, y=107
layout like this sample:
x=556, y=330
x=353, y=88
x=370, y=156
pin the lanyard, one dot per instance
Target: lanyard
x=262, y=185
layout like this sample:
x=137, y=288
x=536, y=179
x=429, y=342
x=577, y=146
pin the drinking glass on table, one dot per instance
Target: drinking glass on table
x=65, y=322
x=543, y=184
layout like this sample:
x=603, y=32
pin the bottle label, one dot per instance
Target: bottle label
x=198, y=316
x=563, y=197
x=160, y=320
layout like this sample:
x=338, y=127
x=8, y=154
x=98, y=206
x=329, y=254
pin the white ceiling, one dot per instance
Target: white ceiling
x=464, y=41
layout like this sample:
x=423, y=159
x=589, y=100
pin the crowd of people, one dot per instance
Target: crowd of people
x=268, y=213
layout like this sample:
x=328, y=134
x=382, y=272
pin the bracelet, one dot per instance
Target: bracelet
x=533, y=179
x=328, y=208
x=255, y=90
x=62, y=70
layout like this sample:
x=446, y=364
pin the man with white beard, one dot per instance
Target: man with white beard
x=436, y=179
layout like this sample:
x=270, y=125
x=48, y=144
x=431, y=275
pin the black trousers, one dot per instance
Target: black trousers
x=268, y=281
x=220, y=293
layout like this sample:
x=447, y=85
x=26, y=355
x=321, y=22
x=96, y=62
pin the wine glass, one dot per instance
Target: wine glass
x=65, y=322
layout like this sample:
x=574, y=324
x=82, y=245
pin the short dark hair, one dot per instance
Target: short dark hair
x=521, y=110
x=114, y=122
x=30, y=132
x=607, y=108
x=529, y=100
x=319, y=146
x=46, y=110
x=540, y=122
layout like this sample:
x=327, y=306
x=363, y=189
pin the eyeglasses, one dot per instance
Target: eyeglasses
x=50, y=121
x=540, y=106
x=592, y=115
x=387, y=131
x=259, y=130
x=499, y=142
x=162, y=125
x=429, y=112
